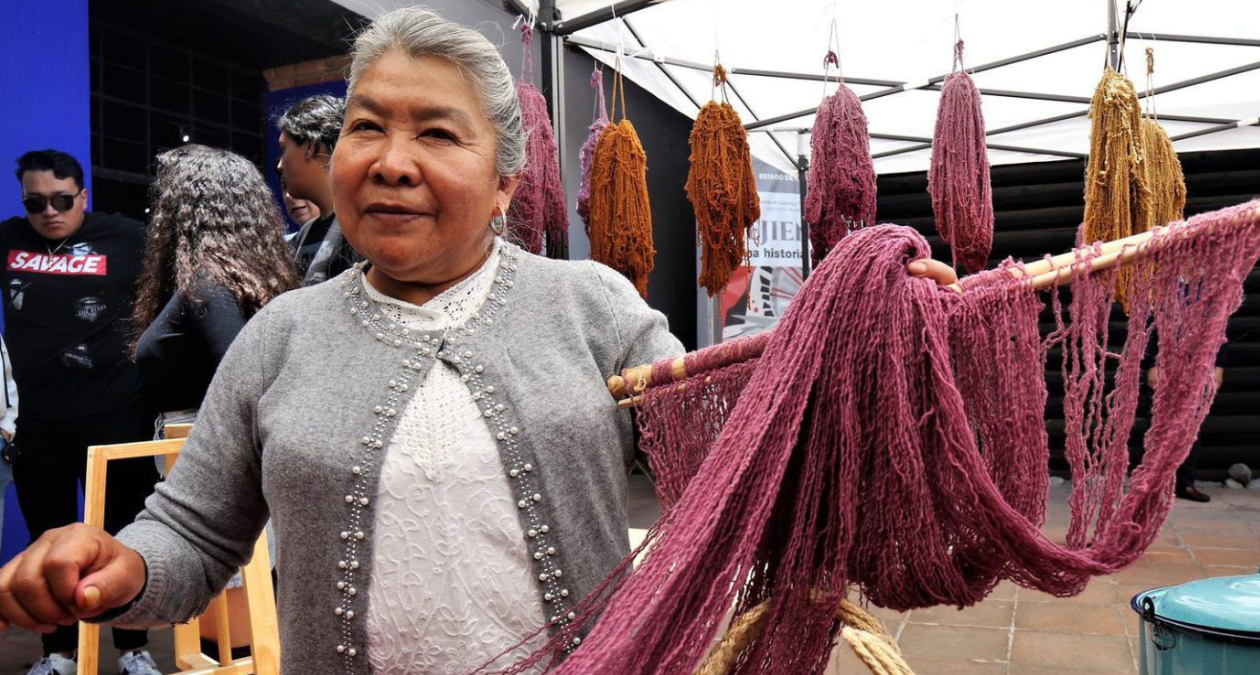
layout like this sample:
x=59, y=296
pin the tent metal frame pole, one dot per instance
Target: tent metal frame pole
x=1030, y=95
x=730, y=85
x=1198, y=39
x=562, y=29
x=802, y=174
x=991, y=146
x=1255, y=121
x=517, y=7
x=620, y=9
x=1081, y=113
x=692, y=98
x=650, y=55
x=890, y=86
x=929, y=83
x=552, y=50
x=1210, y=77
x=1113, y=36
x=664, y=71
x=927, y=141
x=811, y=77
x=1019, y=58
x=1194, y=119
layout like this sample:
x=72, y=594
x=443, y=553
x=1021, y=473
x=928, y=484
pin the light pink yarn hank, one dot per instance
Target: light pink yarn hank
x=586, y=156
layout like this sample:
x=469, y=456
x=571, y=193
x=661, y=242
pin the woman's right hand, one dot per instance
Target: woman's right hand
x=71, y=573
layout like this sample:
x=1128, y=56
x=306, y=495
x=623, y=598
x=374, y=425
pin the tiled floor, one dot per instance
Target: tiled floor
x=1013, y=632
x=1021, y=632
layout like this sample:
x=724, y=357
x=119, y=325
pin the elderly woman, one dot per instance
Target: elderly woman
x=430, y=432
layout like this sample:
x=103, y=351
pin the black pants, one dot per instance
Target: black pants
x=1185, y=472
x=53, y=462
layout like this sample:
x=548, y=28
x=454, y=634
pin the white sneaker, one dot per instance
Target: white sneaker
x=138, y=662
x=54, y=664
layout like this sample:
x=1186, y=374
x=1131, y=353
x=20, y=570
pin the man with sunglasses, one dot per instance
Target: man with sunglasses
x=69, y=279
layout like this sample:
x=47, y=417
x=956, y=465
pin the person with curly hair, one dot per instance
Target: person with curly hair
x=215, y=254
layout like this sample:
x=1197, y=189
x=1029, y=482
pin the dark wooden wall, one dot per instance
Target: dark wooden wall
x=1038, y=209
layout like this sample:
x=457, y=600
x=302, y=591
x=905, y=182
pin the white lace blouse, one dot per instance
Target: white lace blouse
x=451, y=584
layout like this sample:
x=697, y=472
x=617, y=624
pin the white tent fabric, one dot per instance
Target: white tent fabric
x=908, y=42
x=911, y=41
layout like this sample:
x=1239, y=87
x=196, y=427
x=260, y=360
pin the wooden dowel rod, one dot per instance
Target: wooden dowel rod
x=1060, y=265
x=1064, y=274
x=637, y=379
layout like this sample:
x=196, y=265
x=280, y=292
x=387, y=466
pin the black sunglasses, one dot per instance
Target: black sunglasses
x=37, y=203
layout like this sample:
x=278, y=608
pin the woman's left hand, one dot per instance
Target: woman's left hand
x=927, y=268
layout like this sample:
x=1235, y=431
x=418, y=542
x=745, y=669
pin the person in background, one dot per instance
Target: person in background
x=70, y=277
x=8, y=426
x=300, y=211
x=308, y=136
x=215, y=255
x=1184, y=487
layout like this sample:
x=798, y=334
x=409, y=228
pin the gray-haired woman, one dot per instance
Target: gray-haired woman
x=429, y=432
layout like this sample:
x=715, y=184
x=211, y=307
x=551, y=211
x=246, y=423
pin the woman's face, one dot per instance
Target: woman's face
x=413, y=174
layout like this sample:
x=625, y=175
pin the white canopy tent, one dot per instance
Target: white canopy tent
x=1037, y=64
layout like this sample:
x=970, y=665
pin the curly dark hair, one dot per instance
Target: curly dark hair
x=213, y=219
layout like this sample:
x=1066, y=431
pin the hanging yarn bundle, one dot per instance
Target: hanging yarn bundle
x=722, y=188
x=874, y=376
x=538, y=206
x=1117, y=198
x=621, y=215
x=962, y=198
x=841, y=195
x=586, y=156
x=1164, y=176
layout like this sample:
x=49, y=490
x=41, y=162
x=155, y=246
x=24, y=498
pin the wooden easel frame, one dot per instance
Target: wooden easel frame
x=259, y=593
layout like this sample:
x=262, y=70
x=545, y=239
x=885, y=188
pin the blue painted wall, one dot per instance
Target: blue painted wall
x=46, y=81
x=45, y=78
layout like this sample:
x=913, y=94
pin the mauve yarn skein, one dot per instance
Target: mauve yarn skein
x=841, y=195
x=538, y=207
x=962, y=198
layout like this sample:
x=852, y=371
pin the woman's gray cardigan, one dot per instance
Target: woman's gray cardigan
x=295, y=425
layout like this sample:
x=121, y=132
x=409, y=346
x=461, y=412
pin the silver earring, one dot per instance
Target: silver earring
x=498, y=224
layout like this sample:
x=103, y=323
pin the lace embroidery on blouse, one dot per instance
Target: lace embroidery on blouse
x=451, y=583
